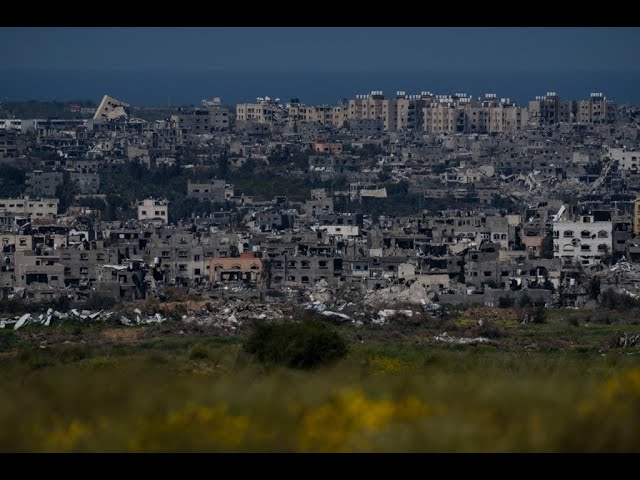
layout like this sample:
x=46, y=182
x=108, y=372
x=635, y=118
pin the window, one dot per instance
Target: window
x=568, y=234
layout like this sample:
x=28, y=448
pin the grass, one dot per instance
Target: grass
x=546, y=387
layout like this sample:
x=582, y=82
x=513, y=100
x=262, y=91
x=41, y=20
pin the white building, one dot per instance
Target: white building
x=584, y=240
x=628, y=160
x=151, y=210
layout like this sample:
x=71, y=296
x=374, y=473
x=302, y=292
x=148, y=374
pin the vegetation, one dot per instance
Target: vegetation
x=11, y=181
x=305, y=344
x=545, y=387
x=613, y=300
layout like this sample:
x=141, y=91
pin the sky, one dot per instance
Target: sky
x=67, y=54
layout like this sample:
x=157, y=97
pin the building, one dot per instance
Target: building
x=265, y=112
x=636, y=216
x=628, y=160
x=507, y=117
x=595, y=111
x=245, y=269
x=111, y=109
x=28, y=207
x=548, y=110
x=212, y=191
x=584, y=240
x=86, y=183
x=156, y=211
x=219, y=115
x=43, y=184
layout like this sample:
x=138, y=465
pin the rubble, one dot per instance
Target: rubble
x=329, y=313
x=624, y=340
x=415, y=294
x=446, y=338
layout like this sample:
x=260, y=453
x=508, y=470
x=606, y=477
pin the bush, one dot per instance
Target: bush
x=538, y=315
x=490, y=330
x=525, y=301
x=617, y=301
x=100, y=302
x=573, y=321
x=72, y=353
x=198, y=352
x=297, y=345
x=505, y=302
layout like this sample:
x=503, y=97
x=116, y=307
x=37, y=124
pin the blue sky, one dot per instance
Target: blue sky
x=321, y=49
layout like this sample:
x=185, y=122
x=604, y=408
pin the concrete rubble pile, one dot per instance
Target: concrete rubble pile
x=232, y=314
x=624, y=340
x=228, y=315
x=446, y=338
x=342, y=306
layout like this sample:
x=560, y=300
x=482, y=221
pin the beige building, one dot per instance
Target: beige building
x=595, y=111
x=110, y=109
x=549, y=109
x=150, y=210
x=19, y=242
x=506, y=117
x=28, y=207
x=636, y=216
x=333, y=115
x=440, y=118
x=245, y=268
x=369, y=107
x=265, y=111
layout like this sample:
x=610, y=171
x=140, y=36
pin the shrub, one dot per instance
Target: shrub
x=539, y=315
x=573, y=321
x=617, y=301
x=35, y=359
x=100, y=302
x=490, y=330
x=525, y=301
x=297, y=345
x=198, y=352
x=72, y=353
x=505, y=302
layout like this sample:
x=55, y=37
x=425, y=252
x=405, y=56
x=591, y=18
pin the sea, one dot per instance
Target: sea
x=159, y=87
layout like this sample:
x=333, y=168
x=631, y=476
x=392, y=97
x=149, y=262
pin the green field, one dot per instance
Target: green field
x=555, y=386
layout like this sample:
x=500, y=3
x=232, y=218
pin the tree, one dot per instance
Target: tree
x=547, y=246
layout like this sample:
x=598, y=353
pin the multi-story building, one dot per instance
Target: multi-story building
x=549, y=109
x=595, y=111
x=265, y=111
x=43, y=184
x=213, y=191
x=86, y=182
x=28, y=207
x=584, y=240
x=156, y=211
